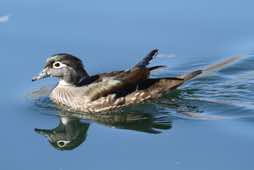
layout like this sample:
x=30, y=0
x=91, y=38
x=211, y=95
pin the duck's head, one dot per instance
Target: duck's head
x=68, y=68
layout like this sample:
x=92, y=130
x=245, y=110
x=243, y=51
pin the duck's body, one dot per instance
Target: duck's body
x=88, y=98
x=104, y=92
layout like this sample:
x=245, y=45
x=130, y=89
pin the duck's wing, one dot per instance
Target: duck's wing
x=120, y=81
x=146, y=90
x=146, y=60
x=107, y=85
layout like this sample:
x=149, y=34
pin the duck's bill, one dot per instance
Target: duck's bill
x=40, y=76
x=43, y=132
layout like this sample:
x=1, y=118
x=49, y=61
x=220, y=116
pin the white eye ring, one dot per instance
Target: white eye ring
x=58, y=64
x=62, y=143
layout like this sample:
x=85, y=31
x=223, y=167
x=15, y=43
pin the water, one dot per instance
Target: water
x=206, y=124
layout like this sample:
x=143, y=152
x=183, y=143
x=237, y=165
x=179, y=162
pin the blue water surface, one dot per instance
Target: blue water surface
x=209, y=121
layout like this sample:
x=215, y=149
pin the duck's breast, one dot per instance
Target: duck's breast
x=73, y=97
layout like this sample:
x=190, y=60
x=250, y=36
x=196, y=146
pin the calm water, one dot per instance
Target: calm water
x=206, y=124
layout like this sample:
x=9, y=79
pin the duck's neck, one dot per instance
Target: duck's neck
x=74, y=78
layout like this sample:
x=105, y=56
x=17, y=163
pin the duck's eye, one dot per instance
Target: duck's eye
x=58, y=65
x=62, y=143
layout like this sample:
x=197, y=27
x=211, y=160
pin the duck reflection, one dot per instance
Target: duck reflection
x=72, y=131
x=69, y=133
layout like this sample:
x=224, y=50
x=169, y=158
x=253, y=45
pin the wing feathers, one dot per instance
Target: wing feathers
x=146, y=60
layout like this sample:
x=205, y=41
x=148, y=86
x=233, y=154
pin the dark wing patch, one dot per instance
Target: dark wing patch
x=149, y=89
x=115, y=82
x=156, y=67
x=146, y=60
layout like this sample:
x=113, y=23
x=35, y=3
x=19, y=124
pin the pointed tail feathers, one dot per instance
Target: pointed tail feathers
x=221, y=64
x=210, y=68
x=190, y=75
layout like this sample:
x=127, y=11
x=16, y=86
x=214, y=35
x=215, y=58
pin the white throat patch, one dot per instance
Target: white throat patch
x=64, y=83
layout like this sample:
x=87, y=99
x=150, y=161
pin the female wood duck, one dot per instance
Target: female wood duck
x=80, y=92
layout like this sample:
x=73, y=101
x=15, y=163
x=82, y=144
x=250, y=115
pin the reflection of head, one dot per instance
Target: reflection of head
x=68, y=135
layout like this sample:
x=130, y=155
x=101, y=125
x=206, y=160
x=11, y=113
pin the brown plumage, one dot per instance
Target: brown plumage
x=108, y=91
x=147, y=89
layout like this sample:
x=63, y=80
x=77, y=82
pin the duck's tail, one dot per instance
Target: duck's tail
x=190, y=75
x=167, y=83
x=217, y=66
x=210, y=68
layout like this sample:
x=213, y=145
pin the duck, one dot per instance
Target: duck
x=79, y=91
